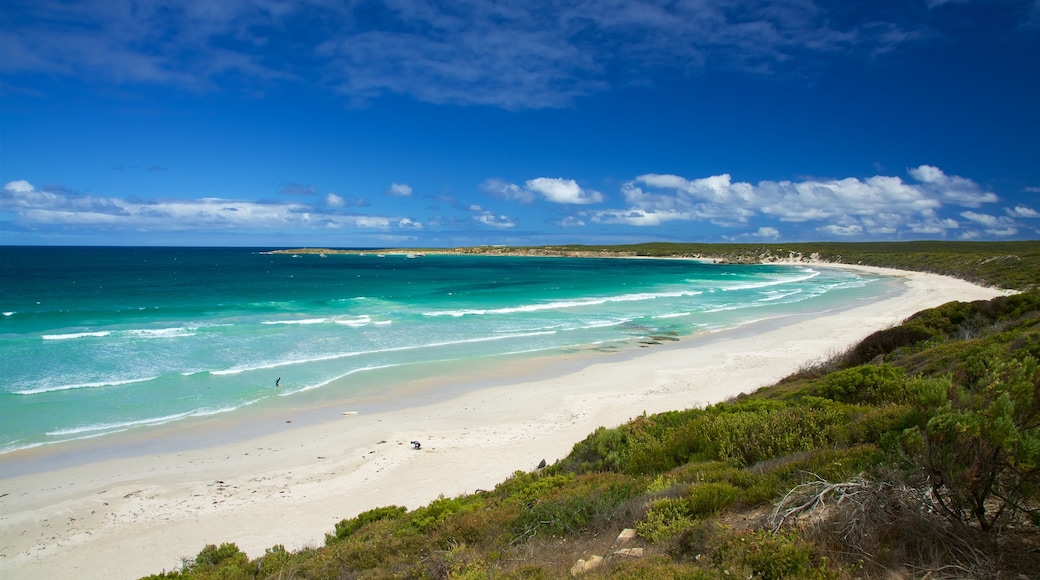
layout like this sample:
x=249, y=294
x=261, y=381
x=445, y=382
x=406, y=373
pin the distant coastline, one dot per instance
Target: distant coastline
x=558, y=252
x=996, y=264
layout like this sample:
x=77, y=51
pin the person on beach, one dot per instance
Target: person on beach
x=278, y=382
x=416, y=445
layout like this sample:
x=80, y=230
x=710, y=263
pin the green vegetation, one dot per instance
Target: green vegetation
x=1002, y=264
x=914, y=454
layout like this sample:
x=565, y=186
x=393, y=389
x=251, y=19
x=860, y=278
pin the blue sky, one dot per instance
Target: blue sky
x=429, y=124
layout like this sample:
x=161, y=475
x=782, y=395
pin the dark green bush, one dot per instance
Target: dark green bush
x=588, y=502
x=347, y=527
x=864, y=384
x=274, y=559
x=771, y=557
x=433, y=514
x=669, y=517
x=981, y=446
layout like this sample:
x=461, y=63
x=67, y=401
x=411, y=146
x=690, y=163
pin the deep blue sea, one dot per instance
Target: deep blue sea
x=95, y=341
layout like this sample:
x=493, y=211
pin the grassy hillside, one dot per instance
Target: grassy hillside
x=914, y=454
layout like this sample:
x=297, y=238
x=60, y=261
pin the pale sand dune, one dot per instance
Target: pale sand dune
x=128, y=517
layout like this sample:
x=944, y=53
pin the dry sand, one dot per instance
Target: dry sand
x=126, y=517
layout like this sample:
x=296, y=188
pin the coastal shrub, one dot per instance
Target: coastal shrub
x=864, y=384
x=775, y=477
x=377, y=546
x=745, y=438
x=879, y=425
x=348, y=526
x=658, y=568
x=884, y=342
x=275, y=558
x=527, y=488
x=224, y=562
x=666, y=518
x=603, y=450
x=770, y=556
x=489, y=526
x=424, y=519
x=589, y=502
x=981, y=447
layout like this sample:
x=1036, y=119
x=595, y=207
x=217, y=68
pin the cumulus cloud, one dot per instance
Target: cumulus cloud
x=570, y=222
x=878, y=206
x=551, y=189
x=508, y=191
x=952, y=189
x=1023, y=212
x=491, y=219
x=994, y=225
x=26, y=206
x=559, y=190
x=399, y=190
x=20, y=186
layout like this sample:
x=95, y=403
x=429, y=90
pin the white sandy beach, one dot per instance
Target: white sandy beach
x=129, y=517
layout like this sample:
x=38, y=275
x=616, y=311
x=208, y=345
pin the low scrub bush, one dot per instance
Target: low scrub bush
x=347, y=527
x=667, y=518
x=771, y=557
x=224, y=562
x=864, y=384
x=588, y=502
x=981, y=446
x=426, y=518
x=745, y=438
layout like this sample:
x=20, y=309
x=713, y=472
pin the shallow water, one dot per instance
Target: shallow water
x=98, y=341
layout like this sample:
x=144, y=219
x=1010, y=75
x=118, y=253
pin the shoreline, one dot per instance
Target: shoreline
x=138, y=515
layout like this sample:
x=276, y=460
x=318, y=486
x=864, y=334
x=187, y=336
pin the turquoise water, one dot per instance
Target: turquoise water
x=96, y=341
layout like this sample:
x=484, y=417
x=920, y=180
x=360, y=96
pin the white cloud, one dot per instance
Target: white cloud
x=20, y=186
x=570, y=222
x=638, y=217
x=559, y=190
x=952, y=189
x=551, y=189
x=334, y=200
x=490, y=219
x=26, y=206
x=766, y=233
x=842, y=230
x=879, y=206
x=994, y=225
x=1023, y=212
x=509, y=191
x=409, y=223
x=399, y=190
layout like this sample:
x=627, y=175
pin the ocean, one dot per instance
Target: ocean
x=100, y=341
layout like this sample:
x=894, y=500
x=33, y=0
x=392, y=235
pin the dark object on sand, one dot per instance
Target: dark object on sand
x=541, y=464
x=416, y=445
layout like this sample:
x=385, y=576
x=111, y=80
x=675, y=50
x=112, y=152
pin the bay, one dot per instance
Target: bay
x=100, y=341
